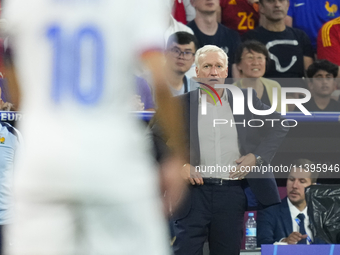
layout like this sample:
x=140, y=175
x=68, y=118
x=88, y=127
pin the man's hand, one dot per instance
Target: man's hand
x=137, y=103
x=243, y=162
x=191, y=176
x=293, y=238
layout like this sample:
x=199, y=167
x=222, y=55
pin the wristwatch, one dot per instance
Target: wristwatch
x=259, y=160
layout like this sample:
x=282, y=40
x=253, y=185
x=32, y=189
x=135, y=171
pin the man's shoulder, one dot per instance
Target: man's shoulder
x=296, y=32
x=275, y=209
x=254, y=34
x=330, y=28
x=335, y=105
x=270, y=82
x=192, y=25
x=178, y=26
x=8, y=131
x=332, y=25
x=310, y=106
x=186, y=96
x=227, y=30
x=259, y=29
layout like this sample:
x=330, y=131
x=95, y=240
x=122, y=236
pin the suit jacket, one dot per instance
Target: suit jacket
x=275, y=223
x=261, y=191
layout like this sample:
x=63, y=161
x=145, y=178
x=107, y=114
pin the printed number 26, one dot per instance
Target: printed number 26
x=247, y=22
x=68, y=65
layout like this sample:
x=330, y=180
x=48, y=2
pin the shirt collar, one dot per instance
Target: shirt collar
x=224, y=97
x=294, y=212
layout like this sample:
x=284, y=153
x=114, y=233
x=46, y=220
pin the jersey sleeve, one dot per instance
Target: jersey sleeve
x=328, y=43
x=149, y=25
x=14, y=12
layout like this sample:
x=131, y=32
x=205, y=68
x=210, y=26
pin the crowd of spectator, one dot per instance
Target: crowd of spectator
x=294, y=34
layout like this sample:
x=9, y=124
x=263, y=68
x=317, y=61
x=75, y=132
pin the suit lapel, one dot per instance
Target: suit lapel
x=286, y=217
x=241, y=130
x=193, y=126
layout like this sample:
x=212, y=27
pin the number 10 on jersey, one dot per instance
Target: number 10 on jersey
x=70, y=64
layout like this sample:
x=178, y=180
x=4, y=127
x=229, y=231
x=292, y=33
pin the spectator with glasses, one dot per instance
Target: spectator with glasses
x=251, y=60
x=180, y=55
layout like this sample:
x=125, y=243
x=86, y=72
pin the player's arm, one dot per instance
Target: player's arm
x=168, y=113
x=169, y=116
x=328, y=44
x=307, y=61
x=308, y=51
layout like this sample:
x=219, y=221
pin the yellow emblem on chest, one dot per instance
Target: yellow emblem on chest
x=332, y=9
x=2, y=140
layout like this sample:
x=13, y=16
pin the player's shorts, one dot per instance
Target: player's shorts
x=73, y=228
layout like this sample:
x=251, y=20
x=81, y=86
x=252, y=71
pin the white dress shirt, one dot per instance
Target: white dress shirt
x=219, y=146
x=294, y=212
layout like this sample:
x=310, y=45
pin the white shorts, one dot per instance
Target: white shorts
x=71, y=228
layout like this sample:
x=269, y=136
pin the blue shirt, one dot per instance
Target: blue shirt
x=9, y=144
x=310, y=15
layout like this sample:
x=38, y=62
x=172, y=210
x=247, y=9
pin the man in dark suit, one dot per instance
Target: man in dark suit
x=214, y=206
x=283, y=222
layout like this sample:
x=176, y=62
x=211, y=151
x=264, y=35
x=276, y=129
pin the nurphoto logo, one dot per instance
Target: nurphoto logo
x=238, y=103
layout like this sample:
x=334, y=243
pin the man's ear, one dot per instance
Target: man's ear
x=192, y=2
x=196, y=69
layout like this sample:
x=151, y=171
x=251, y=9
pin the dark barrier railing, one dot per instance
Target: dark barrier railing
x=147, y=115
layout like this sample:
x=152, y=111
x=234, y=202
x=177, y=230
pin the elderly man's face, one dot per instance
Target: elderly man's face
x=212, y=67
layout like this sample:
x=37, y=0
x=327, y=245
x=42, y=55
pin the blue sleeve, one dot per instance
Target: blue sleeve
x=265, y=227
x=144, y=91
x=148, y=100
